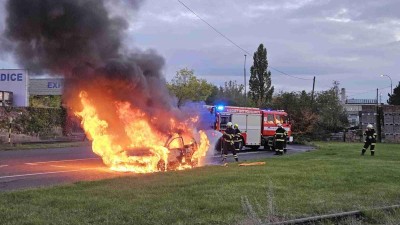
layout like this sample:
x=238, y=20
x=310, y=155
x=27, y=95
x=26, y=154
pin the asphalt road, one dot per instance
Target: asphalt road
x=22, y=169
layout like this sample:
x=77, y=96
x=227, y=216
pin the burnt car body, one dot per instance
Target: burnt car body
x=180, y=153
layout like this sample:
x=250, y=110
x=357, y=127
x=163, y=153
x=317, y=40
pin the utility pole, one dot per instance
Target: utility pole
x=9, y=130
x=245, y=88
x=312, y=93
x=378, y=118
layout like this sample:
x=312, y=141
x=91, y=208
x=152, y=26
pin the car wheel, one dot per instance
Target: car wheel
x=194, y=163
x=161, y=166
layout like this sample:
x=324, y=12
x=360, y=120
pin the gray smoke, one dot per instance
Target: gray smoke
x=81, y=40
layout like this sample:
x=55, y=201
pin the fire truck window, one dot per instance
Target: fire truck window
x=285, y=119
x=279, y=119
x=224, y=121
x=270, y=118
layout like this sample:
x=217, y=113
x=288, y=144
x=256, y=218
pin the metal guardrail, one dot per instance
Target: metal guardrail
x=341, y=215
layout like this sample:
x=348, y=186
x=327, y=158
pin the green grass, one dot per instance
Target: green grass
x=334, y=178
x=27, y=146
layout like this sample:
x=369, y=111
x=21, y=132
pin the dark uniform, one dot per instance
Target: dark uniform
x=228, y=137
x=237, y=138
x=370, y=140
x=280, y=140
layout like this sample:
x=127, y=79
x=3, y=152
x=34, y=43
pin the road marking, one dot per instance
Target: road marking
x=69, y=160
x=1, y=166
x=44, y=173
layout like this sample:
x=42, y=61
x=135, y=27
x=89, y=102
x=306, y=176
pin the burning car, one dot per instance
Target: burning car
x=134, y=145
x=180, y=155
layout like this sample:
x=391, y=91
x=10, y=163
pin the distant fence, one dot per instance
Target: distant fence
x=347, y=136
x=384, y=118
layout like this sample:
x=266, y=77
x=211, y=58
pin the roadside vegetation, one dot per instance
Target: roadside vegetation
x=334, y=178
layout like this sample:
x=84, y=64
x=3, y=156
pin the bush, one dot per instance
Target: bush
x=33, y=121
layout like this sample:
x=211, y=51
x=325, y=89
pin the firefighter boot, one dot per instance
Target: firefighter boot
x=372, y=153
x=362, y=152
x=224, y=158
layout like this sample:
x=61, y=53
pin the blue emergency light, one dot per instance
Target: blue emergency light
x=220, y=108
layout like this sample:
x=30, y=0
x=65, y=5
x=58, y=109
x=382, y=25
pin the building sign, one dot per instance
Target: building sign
x=48, y=86
x=15, y=81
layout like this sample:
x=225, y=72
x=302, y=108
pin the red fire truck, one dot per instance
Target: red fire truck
x=257, y=125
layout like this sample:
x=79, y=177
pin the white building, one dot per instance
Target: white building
x=16, y=86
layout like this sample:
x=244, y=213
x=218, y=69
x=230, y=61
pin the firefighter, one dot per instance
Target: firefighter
x=238, y=137
x=370, y=140
x=229, y=138
x=280, y=140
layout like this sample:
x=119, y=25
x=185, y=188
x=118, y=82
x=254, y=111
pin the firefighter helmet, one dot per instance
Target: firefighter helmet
x=279, y=125
x=369, y=126
x=229, y=124
x=236, y=125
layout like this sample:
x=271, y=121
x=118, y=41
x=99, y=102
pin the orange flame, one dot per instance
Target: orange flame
x=142, y=148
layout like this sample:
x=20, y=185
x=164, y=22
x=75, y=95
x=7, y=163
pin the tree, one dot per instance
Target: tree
x=313, y=120
x=298, y=106
x=394, y=99
x=332, y=115
x=213, y=98
x=231, y=94
x=185, y=86
x=261, y=89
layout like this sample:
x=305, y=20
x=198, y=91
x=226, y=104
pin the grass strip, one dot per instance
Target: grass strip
x=332, y=179
x=30, y=146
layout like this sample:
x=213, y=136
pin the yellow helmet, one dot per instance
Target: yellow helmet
x=236, y=125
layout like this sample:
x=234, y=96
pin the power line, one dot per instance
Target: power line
x=232, y=42
x=215, y=29
x=290, y=75
x=368, y=91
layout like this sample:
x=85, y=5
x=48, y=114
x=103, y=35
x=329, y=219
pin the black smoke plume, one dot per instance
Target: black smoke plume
x=57, y=36
x=80, y=40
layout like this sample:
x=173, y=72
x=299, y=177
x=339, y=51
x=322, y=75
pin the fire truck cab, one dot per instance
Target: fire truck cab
x=271, y=119
x=257, y=126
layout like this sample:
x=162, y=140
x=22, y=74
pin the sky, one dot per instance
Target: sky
x=350, y=41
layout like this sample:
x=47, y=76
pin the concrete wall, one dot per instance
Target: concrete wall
x=391, y=124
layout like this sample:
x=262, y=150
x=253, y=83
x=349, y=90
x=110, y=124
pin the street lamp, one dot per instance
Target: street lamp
x=244, y=73
x=391, y=87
